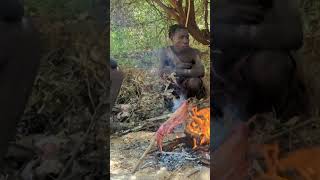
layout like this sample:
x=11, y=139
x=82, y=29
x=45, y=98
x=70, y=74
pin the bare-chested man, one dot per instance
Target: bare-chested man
x=185, y=62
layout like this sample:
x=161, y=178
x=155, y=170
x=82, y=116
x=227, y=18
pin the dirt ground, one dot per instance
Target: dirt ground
x=126, y=150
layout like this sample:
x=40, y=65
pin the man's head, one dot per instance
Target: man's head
x=179, y=36
x=113, y=64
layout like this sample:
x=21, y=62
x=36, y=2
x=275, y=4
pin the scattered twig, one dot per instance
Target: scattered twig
x=148, y=121
x=159, y=118
x=193, y=172
x=62, y=115
x=78, y=146
x=152, y=142
x=171, y=144
x=89, y=92
x=146, y=164
x=251, y=120
x=171, y=153
x=27, y=170
x=205, y=161
x=272, y=137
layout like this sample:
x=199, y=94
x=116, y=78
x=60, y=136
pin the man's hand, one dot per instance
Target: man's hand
x=184, y=66
x=190, y=70
x=183, y=69
x=183, y=72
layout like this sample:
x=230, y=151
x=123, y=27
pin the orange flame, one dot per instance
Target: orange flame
x=199, y=126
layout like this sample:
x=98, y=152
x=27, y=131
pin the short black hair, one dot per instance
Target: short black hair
x=174, y=28
x=113, y=63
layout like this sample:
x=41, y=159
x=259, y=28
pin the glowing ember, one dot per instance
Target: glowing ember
x=199, y=126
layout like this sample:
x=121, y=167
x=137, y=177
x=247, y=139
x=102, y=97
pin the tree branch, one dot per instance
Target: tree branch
x=168, y=10
x=194, y=29
x=206, y=24
x=179, y=15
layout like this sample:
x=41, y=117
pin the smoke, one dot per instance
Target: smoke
x=222, y=126
x=177, y=102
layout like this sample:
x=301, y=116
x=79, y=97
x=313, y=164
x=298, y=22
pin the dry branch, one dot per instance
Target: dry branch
x=77, y=148
x=152, y=142
x=159, y=117
x=286, y=131
x=176, y=10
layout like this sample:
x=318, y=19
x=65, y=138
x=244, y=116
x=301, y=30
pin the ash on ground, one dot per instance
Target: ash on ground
x=177, y=159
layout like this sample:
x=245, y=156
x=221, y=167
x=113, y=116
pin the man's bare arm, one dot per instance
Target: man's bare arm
x=164, y=68
x=197, y=69
x=281, y=29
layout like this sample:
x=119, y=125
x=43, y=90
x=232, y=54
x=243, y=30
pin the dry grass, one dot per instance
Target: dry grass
x=141, y=97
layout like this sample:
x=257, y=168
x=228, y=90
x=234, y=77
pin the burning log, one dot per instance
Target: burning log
x=198, y=124
x=299, y=164
x=178, y=117
x=231, y=159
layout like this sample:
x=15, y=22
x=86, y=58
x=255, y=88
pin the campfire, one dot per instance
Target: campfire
x=197, y=129
x=198, y=126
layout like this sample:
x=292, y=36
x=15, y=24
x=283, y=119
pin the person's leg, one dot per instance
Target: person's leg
x=229, y=96
x=271, y=74
x=229, y=87
x=116, y=79
x=19, y=57
x=194, y=87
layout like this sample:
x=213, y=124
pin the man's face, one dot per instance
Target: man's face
x=180, y=39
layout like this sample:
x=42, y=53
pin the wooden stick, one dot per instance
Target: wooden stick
x=272, y=137
x=193, y=172
x=153, y=140
x=159, y=117
x=188, y=13
x=251, y=120
x=148, y=121
x=77, y=148
x=172, y=153
x=171, y=144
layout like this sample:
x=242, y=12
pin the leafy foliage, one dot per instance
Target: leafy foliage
x=57, y=9
x=310, y=15
x=138, y=30
x=135, y=30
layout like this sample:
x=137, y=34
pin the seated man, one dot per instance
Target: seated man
x=185, y=62
x=113, y=64
x=253, y=72
x=116, y=78
x=253, y=67
x=19, y=61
